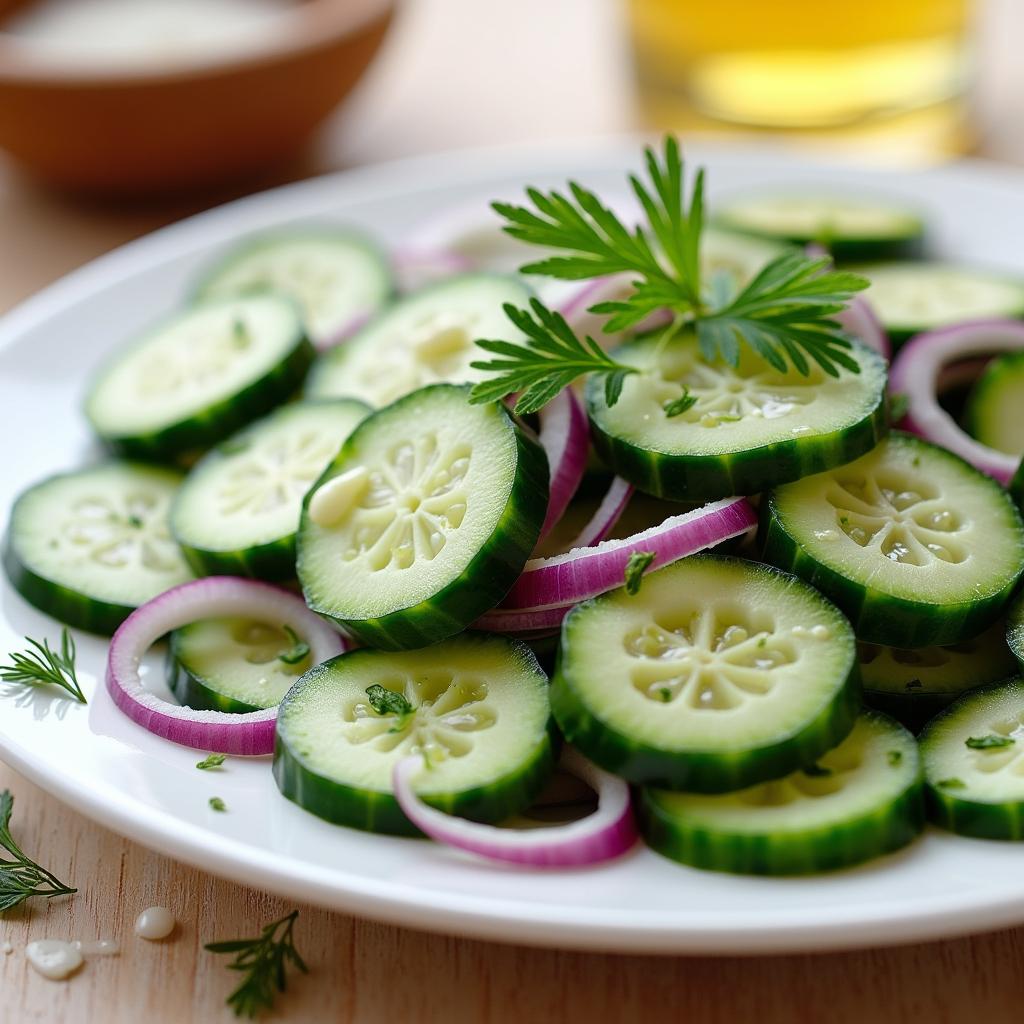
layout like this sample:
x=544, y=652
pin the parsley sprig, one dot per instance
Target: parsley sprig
x=263, y=961
x=21, y=877
x=784, y=313
x=43, y=666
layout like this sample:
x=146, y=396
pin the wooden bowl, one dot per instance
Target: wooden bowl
x=140, y=129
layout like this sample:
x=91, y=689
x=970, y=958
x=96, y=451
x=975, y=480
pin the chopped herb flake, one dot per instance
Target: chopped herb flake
x=387, y=702
x=211, y=761
x=639, y=562
x=990, y=742
x=216, y=804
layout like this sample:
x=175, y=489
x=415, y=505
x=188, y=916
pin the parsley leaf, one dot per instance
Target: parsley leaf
x=550, y=359
x=387, y=702
x=216, y=804
x=990, y=742
x=20, y=877
x=678, y=406
x=42, y=666
x=263, y=961
x=639, y=562
x=784, y=313
x=211, y=761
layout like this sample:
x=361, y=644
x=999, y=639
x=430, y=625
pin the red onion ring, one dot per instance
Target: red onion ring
x=608, y=513
x=565, y=438
x=860, y=320
x=582, y=573
x=217, y=731
x=917, y=371
x=576, y=309
x=609, y=832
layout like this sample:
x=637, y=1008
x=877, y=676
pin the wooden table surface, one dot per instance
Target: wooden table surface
x=452, y=76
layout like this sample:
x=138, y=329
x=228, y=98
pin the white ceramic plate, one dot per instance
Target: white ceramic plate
x=148, y=789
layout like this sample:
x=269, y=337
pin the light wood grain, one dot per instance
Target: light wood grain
x=437, y=87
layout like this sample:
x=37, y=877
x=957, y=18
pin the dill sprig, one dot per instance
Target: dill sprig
x=43, y=666
x=262, y=960
x=784, y=314
x=20, y=876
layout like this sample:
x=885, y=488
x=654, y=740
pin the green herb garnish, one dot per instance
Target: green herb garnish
x=299, y=650
x=211, y=761
x=21, y=877
x=678, y=406
x=665, y=694
x=387, y=702
x=550, y=359
x=216, y=804
x=784, y=313
x=894, y=757
x=43, y=666
x=263, y=961
x=951, y=784
x=639, y=562
x=990, y=742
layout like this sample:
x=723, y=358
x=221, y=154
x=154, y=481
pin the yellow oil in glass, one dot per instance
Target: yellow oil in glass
x=894, y=71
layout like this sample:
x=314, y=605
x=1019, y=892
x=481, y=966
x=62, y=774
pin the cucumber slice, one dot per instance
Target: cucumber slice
x=850, y=227
x=720, y=673
x=993, y=410
x=478, y=712
x=424, y=520
x=234, y=665
x=90, y=546
x=737, y=255
x=915, y=685
x=916, y=546
x=974, y=764
x=1015, y=629
x=199, y=376
x=238, y=510
x=862, y=799
x=426, y=338
x=750, y=428
x=913, y=297
x=336, y=276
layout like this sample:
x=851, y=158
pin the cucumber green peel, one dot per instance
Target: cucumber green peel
x=862, y=799
x=974, y=763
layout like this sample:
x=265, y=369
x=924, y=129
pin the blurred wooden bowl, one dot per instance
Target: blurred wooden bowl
x=174, y=126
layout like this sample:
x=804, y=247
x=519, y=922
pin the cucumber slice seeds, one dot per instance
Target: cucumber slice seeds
x=915, y=685
x=234, y=665
x=751, y=426
x=475, y=707
x=851, y=228
x=199, y=376
x=993, y=411
x=424, y=520
x=89, y=547
x=916, y=546
x=720, y=673
x=974, y=764
x=426, y=338
x=861, y=800
x=913, y=297
x=238, y=511
x=335, y=276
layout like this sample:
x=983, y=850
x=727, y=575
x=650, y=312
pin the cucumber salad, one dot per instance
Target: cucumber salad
x=716, y=506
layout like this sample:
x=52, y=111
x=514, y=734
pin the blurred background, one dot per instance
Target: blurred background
x=117, y=116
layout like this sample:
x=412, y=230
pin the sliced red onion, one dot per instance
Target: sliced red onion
x=212, y=597
x=860, y=320
x=918, y=371
x=524, y=621
x=586, y=572
x=608, y=513
x=609, y=832
x=343, y=333
x=565, y=438
x=416, y=267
